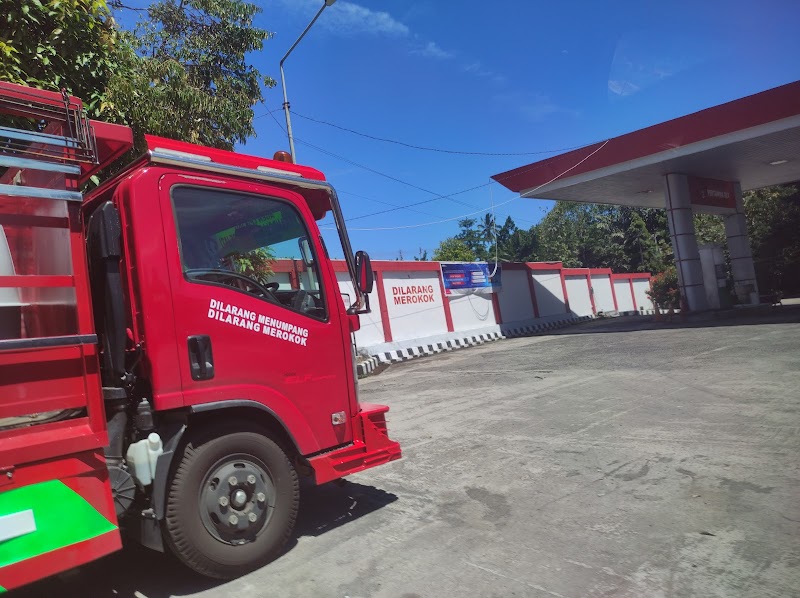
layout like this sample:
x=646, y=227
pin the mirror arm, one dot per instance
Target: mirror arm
x=348, y=250
x=353, y=309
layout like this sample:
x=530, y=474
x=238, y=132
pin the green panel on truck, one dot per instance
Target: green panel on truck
x=62, y=517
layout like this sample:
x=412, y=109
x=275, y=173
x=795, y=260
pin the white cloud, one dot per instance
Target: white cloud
x=622, y=88
x=349, y=18
x=643, y=59
x=431, y=50
x=532, y=106
x=477, y=69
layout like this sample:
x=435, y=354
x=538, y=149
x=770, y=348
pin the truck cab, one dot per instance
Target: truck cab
x=233, y=300
x=213, y=355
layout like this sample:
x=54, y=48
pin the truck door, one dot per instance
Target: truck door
x=246, y=332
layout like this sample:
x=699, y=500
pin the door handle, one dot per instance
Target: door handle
x=201, y=359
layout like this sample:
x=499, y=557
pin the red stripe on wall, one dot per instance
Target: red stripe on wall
x=564, y=289
x=387, y=327
x=448, y=316
x=498, y=316
x=613, y=293
x=532, y=291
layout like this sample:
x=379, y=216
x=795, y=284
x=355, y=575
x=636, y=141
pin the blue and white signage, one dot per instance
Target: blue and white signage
x=466, y=278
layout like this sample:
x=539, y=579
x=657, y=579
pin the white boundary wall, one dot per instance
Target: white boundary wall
x=580, y=303
x=640, y=288
x=515, y=297
x=549, y=293
x=472, y=312
x=603, y=295
x=414, y=301
x=371, y=331
x=622, y=289
x=410, y=312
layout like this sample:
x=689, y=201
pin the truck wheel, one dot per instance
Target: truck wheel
x=232, y=502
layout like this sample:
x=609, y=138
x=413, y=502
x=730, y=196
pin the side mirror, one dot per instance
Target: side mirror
x=365, y=277
x=305, y=251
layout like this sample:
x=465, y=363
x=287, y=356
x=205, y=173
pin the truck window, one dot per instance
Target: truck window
x=249, y=243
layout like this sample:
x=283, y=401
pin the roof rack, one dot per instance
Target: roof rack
x=74, y=143
x=43, y=132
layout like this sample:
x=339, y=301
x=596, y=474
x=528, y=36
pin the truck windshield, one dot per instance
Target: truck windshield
x=254, y=244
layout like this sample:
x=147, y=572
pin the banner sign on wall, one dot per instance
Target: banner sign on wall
x=466, y=278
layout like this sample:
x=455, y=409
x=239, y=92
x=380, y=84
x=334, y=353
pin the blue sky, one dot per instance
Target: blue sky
x=495, y=77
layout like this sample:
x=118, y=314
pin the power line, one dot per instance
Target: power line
x=574, y=166
x=386, y=203
x=504, y=214
x=379, y=173
x=117, y=5
x=268, y=113
x=424, y=201
x=434, y=149
x=436, y=195
x=387, y=176
x=410, y=206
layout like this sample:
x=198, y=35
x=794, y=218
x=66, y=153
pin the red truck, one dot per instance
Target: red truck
x=157, y=375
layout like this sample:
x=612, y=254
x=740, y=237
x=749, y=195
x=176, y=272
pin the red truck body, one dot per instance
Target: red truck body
x=141, y=326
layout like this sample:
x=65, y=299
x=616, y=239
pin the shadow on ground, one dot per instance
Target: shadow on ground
x=789, y=314
x=136, y=572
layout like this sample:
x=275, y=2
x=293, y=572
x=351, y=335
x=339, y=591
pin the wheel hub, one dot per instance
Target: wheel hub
x=237, y=499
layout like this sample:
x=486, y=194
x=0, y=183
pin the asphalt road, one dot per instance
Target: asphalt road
x=615, y=458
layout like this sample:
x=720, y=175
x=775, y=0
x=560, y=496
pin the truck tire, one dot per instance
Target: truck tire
x=232, y=501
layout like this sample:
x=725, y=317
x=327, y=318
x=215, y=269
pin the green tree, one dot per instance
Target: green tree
x=642, y=252
x=513, y=244
x=773, y=221
x=487, y=230
x=664, y=291
x=187, y=76
x=581, y=235
x=472, y=237
x=488, y=242
x=606, y=237
x=601, y=236
x=51, y=44
x=256, y=263
x=520, y=246
x=505, y=232
x=557, y=233
x=453, y=249
x=709, y=228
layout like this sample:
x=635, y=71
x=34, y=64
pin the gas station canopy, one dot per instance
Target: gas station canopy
x=754, y=140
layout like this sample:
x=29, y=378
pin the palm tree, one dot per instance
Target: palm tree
x=487, y=231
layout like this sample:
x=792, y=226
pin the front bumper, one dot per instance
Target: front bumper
x=371, y=449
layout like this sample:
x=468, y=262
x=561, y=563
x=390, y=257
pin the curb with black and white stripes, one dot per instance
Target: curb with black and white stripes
x=538, y=328
x=641, y=312
x=365, y=368
x=399, y=355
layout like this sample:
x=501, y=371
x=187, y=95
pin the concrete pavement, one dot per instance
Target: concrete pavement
x=615, y=458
